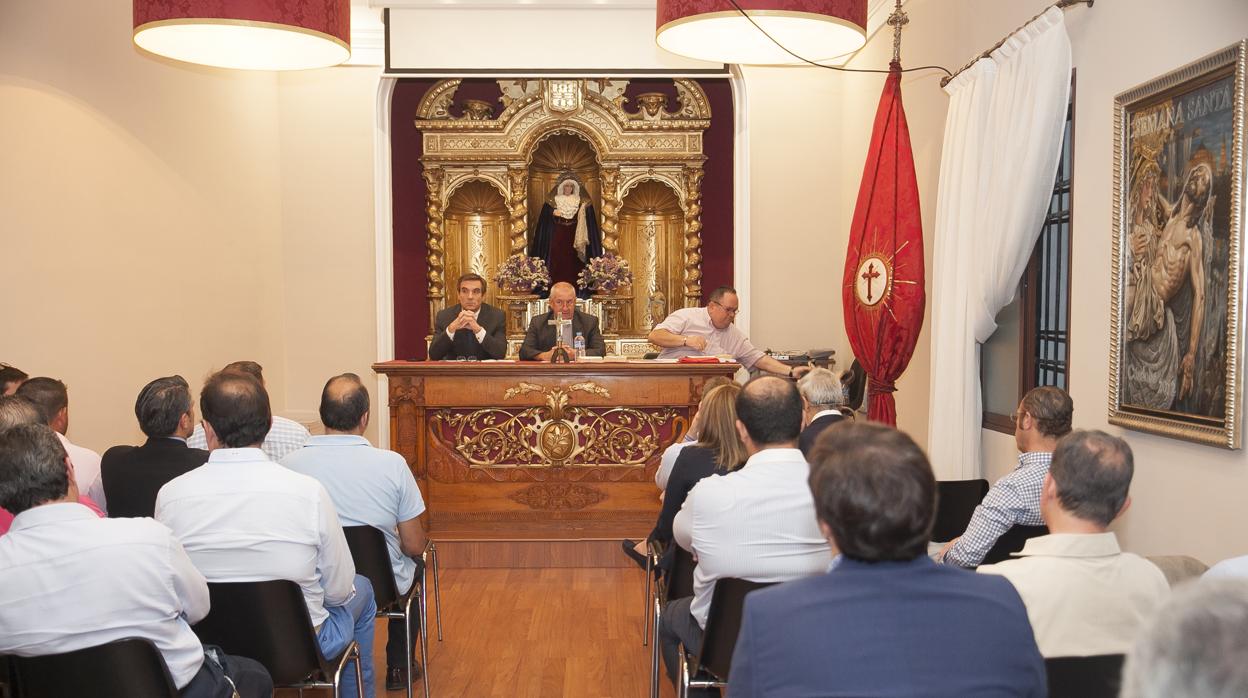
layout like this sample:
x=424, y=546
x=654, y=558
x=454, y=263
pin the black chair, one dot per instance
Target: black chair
x=723, y=623
x=119, y=669
x=1012, y=541
x=372, y=559
x=1097, y=676
x=955, y=505
x=269, y=622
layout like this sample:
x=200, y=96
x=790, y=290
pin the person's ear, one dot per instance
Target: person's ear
x=1126, y=504
x=72, y=490
x=742, y=432
x=210, y=436
x=1048, y=491
x=364, y=420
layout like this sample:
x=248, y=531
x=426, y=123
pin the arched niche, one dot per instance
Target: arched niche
x=558, y=153
x=476, y=235
x=652, y=227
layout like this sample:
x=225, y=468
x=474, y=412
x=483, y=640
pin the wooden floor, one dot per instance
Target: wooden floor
x=536, y=632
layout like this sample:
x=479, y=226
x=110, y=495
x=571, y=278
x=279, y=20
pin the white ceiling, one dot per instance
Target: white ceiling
x=368, y=32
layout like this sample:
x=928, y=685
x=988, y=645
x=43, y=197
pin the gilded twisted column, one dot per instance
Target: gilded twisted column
x=611, y=209
x=693, y=236
x=436, y=252
x=519, y=209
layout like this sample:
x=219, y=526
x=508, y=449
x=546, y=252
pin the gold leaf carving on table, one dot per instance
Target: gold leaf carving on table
x=555, y=434
x=557, y=496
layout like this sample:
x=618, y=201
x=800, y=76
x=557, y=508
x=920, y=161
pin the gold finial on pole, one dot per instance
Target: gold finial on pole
x=897, y=20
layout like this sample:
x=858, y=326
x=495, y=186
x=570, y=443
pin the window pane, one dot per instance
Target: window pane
x=999, y=361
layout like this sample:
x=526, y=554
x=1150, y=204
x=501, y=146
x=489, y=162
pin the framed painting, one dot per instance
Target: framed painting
x=1177, y=344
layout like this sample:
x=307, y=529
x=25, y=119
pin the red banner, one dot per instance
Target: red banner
x=883, y=293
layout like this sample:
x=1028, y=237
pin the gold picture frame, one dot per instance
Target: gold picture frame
x=1177, y=344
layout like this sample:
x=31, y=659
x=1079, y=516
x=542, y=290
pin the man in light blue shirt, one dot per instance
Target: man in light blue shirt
x=369, y=487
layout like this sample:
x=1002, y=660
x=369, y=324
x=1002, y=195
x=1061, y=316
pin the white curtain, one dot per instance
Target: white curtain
x=1003, y=138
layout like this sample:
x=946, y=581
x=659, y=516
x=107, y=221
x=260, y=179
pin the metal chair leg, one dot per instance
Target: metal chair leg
x=437, y=589
x=645, y=602
x=424, y=631
x=654, y=649
x=407, y=644
x=682, y=689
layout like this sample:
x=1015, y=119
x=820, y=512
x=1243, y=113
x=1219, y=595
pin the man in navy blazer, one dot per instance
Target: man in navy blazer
x=885, y=620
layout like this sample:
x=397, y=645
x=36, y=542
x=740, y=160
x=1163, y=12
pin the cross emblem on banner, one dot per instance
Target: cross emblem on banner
x=870, y=275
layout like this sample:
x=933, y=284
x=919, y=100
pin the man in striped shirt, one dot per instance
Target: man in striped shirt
x=1042, y=418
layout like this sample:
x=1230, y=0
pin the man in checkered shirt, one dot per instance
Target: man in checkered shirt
x=285, y=435
x=1042, y=418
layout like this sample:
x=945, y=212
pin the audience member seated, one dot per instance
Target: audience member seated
x=539, y=340
x=1042, y=418
x=709, y=331
x=1195, y=646
x=885, y=620
x=757, y=523
x=1235, y=567
x=10, y=378
x=52, y=398
x=471, y=328
x=130, y=476
x=244, y=518
x=823, y=397
x=369, y=487
x=16, y=411
x=284, y=437
x=671, y=453
x=1085, y=596
x=718, y=450
x=72, y=580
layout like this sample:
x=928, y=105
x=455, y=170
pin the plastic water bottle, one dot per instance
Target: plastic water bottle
x=578, y=344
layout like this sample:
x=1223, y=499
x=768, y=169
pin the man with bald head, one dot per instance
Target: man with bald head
x=540, y=340
x=369, y=487
x=755, y=523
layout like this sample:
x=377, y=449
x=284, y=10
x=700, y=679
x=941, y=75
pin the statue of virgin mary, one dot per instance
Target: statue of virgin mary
x=567, y=234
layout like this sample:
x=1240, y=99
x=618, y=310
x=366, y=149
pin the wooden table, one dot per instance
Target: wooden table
x=537, y=464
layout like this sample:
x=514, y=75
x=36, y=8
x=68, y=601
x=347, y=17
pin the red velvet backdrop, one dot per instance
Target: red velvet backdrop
x=411, y=306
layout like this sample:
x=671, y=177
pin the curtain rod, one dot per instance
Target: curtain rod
x=1061, y=4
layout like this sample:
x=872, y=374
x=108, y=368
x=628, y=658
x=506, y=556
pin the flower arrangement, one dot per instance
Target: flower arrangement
x=521, y=273
x=606, y=274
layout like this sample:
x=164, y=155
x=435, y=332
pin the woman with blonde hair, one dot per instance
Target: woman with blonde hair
x=718, y=450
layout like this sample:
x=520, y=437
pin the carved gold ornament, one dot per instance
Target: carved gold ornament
x=555, y=434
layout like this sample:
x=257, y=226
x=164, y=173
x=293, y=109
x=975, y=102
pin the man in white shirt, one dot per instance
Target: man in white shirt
x=284, y=435
x=72, y=580
x=471, y=328
x=370, y=487
x=1085, y=596
x=52, y=398
x=243, y=518
x=756, y=523
x=709, y=331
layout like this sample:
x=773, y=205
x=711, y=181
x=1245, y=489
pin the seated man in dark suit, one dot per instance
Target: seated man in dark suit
x=471, y=328
x=539, y=341
x=823, y=397
x=885, y=620
x=130, y=476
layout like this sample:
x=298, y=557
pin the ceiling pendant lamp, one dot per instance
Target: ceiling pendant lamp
x=246, y=34
x=716, y=30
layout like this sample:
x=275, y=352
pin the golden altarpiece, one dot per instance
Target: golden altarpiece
x=489, y=170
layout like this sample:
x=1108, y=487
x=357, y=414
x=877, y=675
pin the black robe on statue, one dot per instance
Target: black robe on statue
x=553, y=240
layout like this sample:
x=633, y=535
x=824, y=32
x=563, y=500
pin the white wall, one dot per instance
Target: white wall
x=138, y=205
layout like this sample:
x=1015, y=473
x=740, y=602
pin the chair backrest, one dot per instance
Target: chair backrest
x=955, y=505
x=1012, y=541
x=723, y=624
x=1097, y=676
x=680, y=577
x=266, y=621
x=372, y=559
x=119, y=669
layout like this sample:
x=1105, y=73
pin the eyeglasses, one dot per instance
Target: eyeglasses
x=730, y=311
x=1014, y=418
